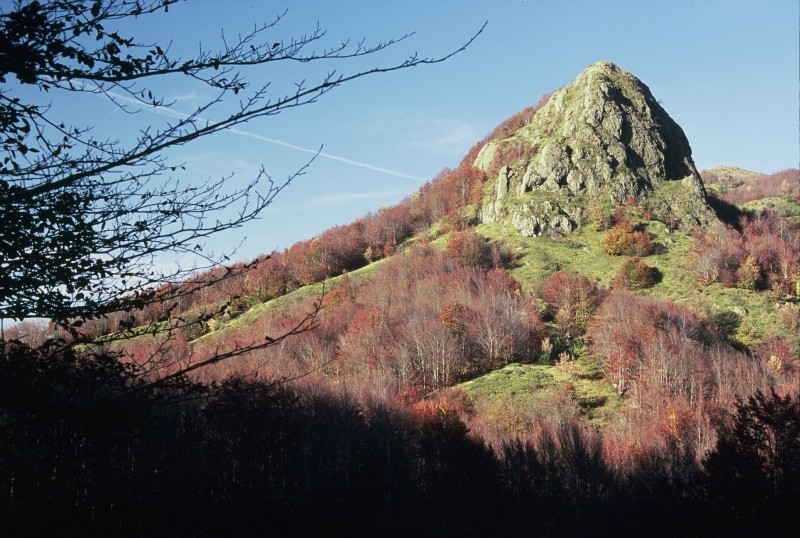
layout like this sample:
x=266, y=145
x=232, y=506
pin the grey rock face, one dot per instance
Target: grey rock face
x=546, y=217
x=603, y=136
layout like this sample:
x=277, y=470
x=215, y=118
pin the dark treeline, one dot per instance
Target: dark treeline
x=89, y=451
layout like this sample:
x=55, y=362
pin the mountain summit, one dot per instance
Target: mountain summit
x=602, y=138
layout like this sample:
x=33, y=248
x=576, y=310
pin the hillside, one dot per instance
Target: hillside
x=727, y=176
x=753, y=191
x=383, y=275
x=397, y=316
x=567, y=319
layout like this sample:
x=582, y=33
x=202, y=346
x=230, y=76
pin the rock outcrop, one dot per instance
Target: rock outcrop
x=603, y=137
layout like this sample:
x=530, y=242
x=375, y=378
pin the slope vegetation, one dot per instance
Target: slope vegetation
x=460, y=360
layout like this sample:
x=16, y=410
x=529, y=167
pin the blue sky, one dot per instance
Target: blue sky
x=725, y=70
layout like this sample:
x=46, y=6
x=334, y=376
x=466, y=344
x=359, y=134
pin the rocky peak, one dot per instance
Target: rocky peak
x=603, y=137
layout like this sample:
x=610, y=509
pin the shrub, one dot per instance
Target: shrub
x=622, y=241
x=748, y=275
x=789, y=316
x=634, y=274
x=469, y=249
x=599, y=218
x=727, y=321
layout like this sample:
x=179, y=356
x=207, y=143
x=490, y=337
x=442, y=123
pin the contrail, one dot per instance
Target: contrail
x=174, y=113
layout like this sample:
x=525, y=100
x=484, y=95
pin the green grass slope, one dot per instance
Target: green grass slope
x=514, y=393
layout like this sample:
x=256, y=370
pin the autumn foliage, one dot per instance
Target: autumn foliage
x=785, y=182
x=571, y=300
x=764, y=253
x=624, y=239
x=357, y=423
x=469, y=249
x=452, y=197
x=634, y=274
x=356, y=427
x=651, y=350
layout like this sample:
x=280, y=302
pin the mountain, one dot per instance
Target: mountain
x=603, y=138
x=415, y=373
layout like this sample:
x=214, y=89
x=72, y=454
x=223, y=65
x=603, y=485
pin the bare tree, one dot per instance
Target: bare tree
x=82, y=216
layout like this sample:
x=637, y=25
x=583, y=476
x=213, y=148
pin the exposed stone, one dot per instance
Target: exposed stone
x=544, y=218
x=740, y=311
x=561, y=224
x=603, y=136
